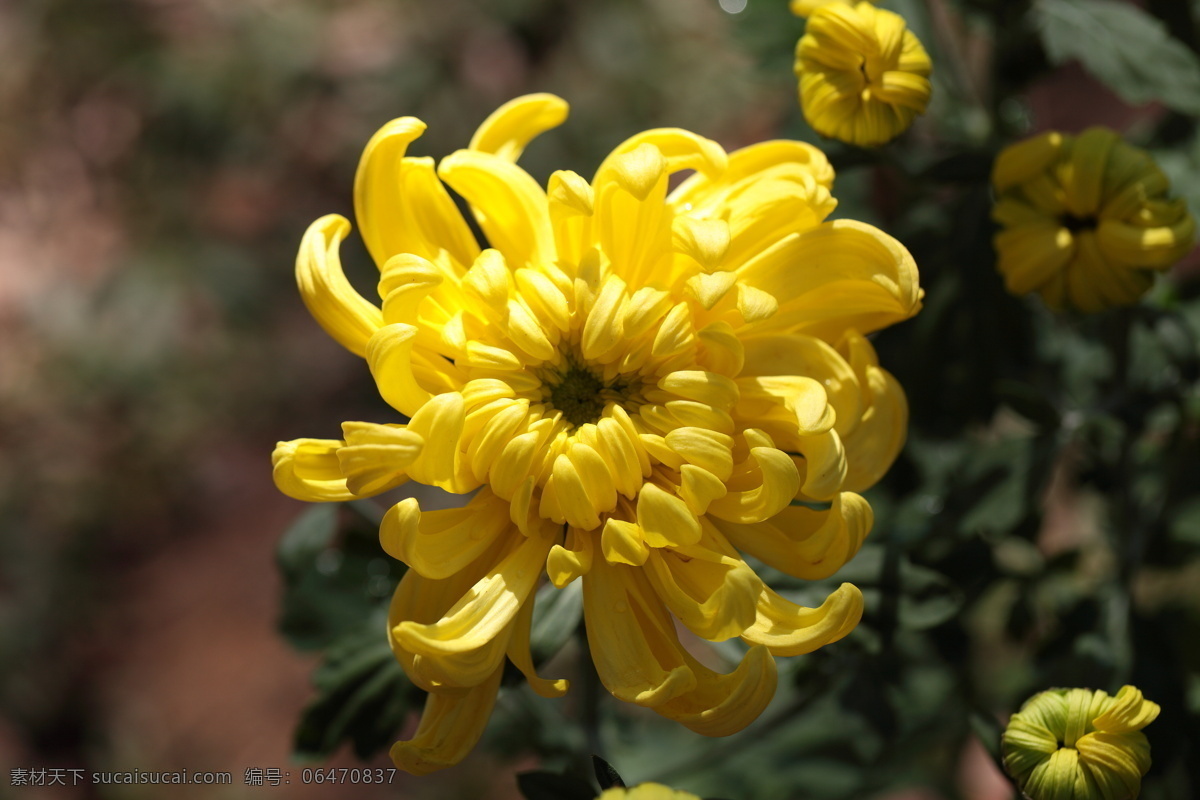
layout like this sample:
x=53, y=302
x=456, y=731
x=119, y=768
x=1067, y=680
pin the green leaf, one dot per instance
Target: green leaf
x=363, y=697
x=606, y=775
x=556, y=614
x=335, y=576
x=1124, y=47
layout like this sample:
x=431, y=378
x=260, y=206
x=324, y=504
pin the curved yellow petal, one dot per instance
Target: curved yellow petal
x=375, y=457
x=441, y=463
x=401, y=206
x=508, y=129
x=787, y=629
x=389, y=356
x=486, y=609
x=866, y=280
x=873, y=445
x=335, y=305
x=722, y=705
x=450, y=727
x=665, y=519
x=778, y=481
x=521, y=657
x=632, y=224
x=438, y=544
x=308, y=470
x=1116, y=761
x=571, y=559
x=510, y=206
x=1130, y=711
x=1024, y=160
x=622, y=543
x=631, y=637
x=808, y=544
x=713, y=594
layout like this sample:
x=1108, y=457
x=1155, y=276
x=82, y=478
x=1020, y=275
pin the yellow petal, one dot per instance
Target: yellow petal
x=778, y=482
x=1129, y=712
x=335, y=305
x=507, y=131
x=308, y=470
x=510, y=206
x=1116, y=761
x=389, y=355
x=874, y=444
x=441, y=463
x=630, y=636
x=866, y=280
x=521, y=657
x=375, y=456
x=450, y=727
x=1027, y=159
x=633, y=226
x=569, y=560
x=787, y=629
x=665, y=519
x=400, y=204
x=485, y=610
x=622, y=543
x=722, y=705
x=796, y=354
x=808, y=544
x=438, y=544
x=711, y=593
x=708, y=449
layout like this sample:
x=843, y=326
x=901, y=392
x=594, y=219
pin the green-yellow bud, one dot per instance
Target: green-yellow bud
x=1076, y=744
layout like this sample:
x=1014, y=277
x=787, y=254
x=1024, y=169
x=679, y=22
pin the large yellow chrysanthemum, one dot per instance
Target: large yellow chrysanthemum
x=1086, y=220
x=637, y=384
x=863, y=75
x=1076, y=744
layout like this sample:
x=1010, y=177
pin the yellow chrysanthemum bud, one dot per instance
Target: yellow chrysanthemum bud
x=863, y=75
x=646, y=791
x=638, y=385
x=1086, y=221
x=1076, y=744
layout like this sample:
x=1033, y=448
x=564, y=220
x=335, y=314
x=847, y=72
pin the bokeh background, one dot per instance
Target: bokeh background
x=159, y=161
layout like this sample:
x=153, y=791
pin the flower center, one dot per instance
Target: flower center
x=578, y=394
x=1076, y=224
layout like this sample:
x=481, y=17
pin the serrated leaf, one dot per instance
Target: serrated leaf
x=335, y=576
x=363, y=697
x=307, y=537
x=1124, y=47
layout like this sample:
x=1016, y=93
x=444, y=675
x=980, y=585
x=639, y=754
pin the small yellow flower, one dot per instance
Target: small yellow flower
x=638, y=386
x=863, y=75
x=1076, y=744
x=646, y=791
x=1085, y=220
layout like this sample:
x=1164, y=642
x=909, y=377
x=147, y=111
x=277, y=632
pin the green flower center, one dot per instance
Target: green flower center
x=579, y=395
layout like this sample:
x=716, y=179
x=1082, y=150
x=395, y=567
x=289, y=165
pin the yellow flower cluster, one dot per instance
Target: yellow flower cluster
x=638, y=384
x=1086, y=221
x=863, y=75
x=1076, y=744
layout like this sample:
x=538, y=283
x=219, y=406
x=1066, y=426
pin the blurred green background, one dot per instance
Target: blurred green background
x=159, y=161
